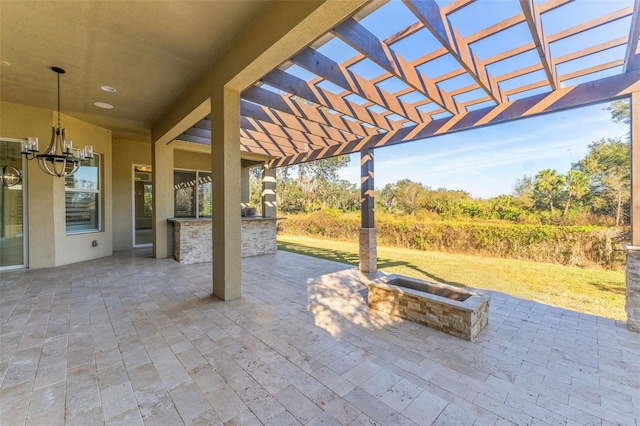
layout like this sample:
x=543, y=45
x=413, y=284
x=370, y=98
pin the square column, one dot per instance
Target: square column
x=162, y=164
x=226, y=193
x=368, y=233
x=632, y=305
x=269, y=201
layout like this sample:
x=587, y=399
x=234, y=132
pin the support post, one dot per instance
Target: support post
x=632, y=305
x=269, y=202
x=245, y=195
x=162, y=165
x=368, y=232
x=226, y=193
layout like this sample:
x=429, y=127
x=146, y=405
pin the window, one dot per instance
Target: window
x=192, y=193
x=83, y=198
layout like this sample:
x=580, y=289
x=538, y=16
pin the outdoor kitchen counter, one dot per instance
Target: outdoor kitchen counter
x=191, y=238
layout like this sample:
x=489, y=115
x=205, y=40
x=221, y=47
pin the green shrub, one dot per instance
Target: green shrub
x=567, y=245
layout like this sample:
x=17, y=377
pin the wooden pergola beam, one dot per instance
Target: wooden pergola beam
x=290, y=123
x=269, y=140
x=297, y=86
x=306, y=111
x=335, y=73
x=630, y=62
x=429, y=13
x=563, y=98
x=565, y=58
x=534, y=22
x=361, y=39
x=298, y=139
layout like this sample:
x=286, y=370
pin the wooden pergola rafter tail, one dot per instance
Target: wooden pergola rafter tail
x=602, y=90
x=335, y=73
x=361, y=39
x=291, y=84
x=432, y=17
x=304, y=111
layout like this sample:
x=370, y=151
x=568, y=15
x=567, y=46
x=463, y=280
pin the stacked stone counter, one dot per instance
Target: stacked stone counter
x=633, y=288
x=192, y=238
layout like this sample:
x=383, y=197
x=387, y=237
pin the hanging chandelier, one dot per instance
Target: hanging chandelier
x=60, y=159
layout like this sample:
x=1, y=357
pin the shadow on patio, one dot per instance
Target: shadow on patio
x=133, y=339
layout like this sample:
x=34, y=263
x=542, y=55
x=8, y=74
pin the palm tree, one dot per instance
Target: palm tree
x=578, y=184
x=547, y=184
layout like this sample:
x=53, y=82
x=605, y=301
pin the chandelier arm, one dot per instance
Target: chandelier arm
x=51, y=149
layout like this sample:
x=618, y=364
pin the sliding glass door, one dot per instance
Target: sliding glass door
x=12, y=206
x=142, y=206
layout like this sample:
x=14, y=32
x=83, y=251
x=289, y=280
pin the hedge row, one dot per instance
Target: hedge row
x=567, y=245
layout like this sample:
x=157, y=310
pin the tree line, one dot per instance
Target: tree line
x=596, y=189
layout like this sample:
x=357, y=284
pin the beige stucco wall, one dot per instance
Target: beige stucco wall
x=192, y=160
x=18, y=121
x=77, y=247
x=126, y=153
x=48, y=243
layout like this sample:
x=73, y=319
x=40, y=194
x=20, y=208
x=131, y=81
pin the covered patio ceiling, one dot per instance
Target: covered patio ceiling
x=406, y=70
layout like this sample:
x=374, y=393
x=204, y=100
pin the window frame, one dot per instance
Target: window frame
x=99, y=197
x=196, y=187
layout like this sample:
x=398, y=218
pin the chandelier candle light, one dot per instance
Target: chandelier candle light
x=59, y=159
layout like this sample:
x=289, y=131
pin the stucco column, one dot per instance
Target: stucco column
x=269, y=202
x=632, y=304
x=368, y=232
x=226, y=193
x=162, y=164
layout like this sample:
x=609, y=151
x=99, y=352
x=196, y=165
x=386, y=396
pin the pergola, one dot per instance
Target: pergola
x=436, y=67
x=340, y=110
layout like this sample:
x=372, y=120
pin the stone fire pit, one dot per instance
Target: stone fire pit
x=458, y=311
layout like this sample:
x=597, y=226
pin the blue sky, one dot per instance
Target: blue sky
x=486, y=162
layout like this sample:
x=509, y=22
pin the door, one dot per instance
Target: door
x=13, y=250
x=142, y=206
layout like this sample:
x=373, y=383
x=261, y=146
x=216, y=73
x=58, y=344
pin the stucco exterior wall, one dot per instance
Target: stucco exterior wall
x=18, y=121
x=78, y=247
x=192, y=160
x=47, y=240
x=126, y=153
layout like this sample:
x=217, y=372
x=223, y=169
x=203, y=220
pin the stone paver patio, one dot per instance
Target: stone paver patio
x=130, y=340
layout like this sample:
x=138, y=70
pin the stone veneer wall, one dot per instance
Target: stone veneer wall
x=258, y=237
x=632, y=305
x=192, y=239
x=368, y=250
x=425, y=309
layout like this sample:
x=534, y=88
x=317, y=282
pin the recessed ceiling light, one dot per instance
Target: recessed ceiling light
x=103, y=105
x=108, y=89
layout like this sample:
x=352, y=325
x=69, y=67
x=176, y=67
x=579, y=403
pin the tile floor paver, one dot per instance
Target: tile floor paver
x=130, y=339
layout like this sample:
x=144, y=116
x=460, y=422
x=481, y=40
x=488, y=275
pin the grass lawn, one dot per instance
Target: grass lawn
x=591, y=291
